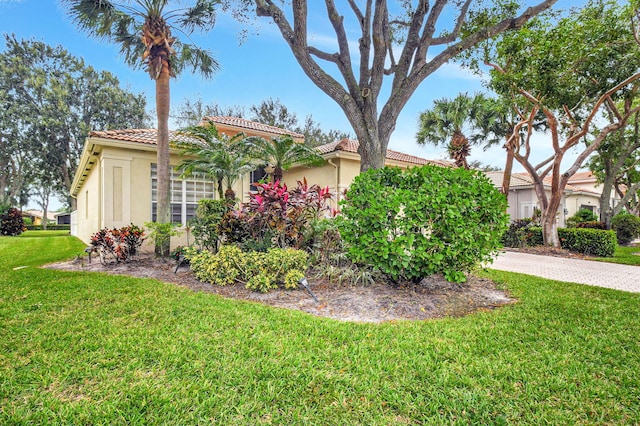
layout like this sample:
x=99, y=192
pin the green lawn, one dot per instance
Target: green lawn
x=624, y=255
x=85, y=348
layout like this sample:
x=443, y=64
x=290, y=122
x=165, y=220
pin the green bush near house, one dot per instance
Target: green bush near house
x=592, y=242
x=260, y=271
x=581, y=216
x=421, y=221
x=626, y=226
x=49, y=227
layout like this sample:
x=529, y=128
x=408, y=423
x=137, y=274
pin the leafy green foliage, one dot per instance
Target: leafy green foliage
x=517, y=234
x=11, y=222
x=260, y=271
x=120, y=244
x=581, y=216
x=626, y=226
x=425, y=220
x=207, y=221
x=160, y=234
x=594, y=242
x=282, y=153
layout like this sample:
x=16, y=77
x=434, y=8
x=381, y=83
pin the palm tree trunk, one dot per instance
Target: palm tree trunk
x=164, y=171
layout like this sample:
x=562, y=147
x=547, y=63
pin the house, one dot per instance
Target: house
x=115, y=182
x=116, y=178
x=582, y=192
x=342, y=165
x=37, y=215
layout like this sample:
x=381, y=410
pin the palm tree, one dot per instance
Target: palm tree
x=282, y=153
x=143, y=30
x=447, y=120
x=215, y=155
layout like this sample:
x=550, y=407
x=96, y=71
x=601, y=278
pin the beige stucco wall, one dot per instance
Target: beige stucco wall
x=88, y=202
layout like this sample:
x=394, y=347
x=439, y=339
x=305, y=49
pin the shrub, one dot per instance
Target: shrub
x=161, y=233
x=593, y=242
x=259, y=271
x=121, y=244
x=591, y=225
x=581, y=216
x=206, y=224
x=425, y=220
x=277, y=217
x=49, y=227
x=11, y=222
x=626, y=226
x=517, y=233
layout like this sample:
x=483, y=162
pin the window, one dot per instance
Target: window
x=256, y=176
x=585, y=207
x=185, y=194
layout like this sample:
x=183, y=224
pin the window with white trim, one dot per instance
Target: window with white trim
x=185, y=194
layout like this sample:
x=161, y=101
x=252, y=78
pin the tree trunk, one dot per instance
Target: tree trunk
x=606, y=210
x=508, y=168
x=164, y=171
x=550, y=230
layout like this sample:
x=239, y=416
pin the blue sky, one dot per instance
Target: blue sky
x=259, y=68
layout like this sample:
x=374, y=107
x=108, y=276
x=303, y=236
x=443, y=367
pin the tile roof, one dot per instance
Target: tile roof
x=520, y=180
x=582, y=176
x=349, y=145
x=144, y=136
x=252, y=125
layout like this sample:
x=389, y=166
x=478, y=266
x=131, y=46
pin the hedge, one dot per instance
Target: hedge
x=594, y=242
x=49, y=227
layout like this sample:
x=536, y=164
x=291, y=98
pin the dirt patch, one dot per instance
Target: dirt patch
x=432, y=298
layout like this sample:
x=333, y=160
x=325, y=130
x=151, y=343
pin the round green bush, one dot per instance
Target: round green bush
x=424, y=220
x=627, y=227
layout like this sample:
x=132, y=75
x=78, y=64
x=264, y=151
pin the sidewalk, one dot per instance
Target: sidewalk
x=600, y=274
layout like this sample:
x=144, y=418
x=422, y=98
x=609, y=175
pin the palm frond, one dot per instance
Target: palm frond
x=202, y=16
x=200, y=60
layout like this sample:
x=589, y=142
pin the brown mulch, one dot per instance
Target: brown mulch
x=548, y=251
x=434, y=297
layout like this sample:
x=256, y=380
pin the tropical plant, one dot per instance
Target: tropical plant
x=160, y=234
x=120, y=244
x=215, y=155
x=143, y=30
x=11, y=222
x=581, y=216
x=282, y=153
x=627, y=227
x=206, y=223
x=424, y=220
x=451, y=119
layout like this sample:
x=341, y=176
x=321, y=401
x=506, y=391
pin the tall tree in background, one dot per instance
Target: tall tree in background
x=455, y=120
x=616, y=168
x=570, y=70
x=51, y=100
x=190, y=112
x=144, y=31
x=408, y=27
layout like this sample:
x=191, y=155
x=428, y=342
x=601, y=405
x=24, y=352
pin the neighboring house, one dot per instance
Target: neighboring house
x=37, y=215
x=63, y=218
x=582, y=192
x=115, y=183
x=343, y=165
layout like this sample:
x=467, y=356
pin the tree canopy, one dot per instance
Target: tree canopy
x=398, y=47
x=51, y=100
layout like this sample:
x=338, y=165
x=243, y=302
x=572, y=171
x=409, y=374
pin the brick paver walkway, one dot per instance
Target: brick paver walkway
x=601, y=274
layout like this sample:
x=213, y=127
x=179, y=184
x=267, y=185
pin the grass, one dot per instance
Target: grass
x=87, y=348
x=625, y=255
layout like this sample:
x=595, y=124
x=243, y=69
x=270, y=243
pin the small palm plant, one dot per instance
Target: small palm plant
x=215, y=155
x=281, y=154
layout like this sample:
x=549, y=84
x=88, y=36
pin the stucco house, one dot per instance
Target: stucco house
x=115, y=182
x=342, y=165
x=582, y=192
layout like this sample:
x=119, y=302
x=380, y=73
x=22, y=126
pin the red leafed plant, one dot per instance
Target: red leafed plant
x=120, y=244
x=277, y=217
